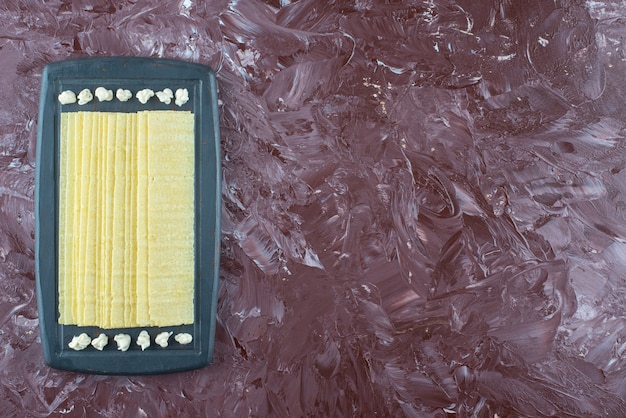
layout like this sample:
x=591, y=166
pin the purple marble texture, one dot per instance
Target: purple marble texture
x=424, y=206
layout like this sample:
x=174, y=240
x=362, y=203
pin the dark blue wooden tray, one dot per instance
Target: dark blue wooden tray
x=134, y=74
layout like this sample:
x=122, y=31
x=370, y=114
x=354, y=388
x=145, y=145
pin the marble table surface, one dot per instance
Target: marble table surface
x=424, y=206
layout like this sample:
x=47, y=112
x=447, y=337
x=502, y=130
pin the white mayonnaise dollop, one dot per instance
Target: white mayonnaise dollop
x=104, y=95
x=183, y=338
x=123, y=341
x=100, y=342
x=84, y=97
x=67, y=97
x=162, y=338
x=80, y=342
x=144, y=95
x=143, y=340
x=182, y=97
x=123, y=95
x=165, y=96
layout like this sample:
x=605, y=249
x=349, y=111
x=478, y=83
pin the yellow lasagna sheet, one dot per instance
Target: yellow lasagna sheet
x=126, y=219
